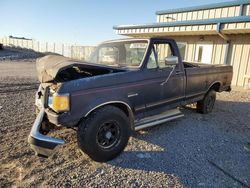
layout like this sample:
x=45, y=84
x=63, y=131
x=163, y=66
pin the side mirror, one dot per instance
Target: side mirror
x=172, y=60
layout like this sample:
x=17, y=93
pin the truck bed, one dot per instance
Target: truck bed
x=197, y=73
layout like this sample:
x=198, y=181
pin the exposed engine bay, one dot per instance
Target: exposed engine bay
x=55, y=68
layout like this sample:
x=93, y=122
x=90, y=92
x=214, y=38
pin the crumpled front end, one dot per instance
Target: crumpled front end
x=42, y=145
x=48, y=67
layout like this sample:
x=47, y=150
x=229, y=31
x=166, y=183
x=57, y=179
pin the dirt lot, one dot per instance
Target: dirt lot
x=196, y=151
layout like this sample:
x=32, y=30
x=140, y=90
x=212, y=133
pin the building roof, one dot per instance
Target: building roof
x=236, y=19
x=237, y=22
x=202, y=7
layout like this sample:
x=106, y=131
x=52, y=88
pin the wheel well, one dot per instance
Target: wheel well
x=124, y=107
x=215, y=87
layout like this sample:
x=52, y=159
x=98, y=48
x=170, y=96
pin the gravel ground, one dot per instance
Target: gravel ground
x=196, y=151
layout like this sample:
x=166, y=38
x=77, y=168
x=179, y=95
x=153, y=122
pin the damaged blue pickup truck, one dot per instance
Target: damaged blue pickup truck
x=126, y=85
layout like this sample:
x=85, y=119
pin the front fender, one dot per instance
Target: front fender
x=83, y=104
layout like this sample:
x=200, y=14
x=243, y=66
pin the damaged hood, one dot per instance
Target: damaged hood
x=58, y=68
x=49, y=66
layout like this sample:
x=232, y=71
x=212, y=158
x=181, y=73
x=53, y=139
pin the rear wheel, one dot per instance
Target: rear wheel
x=104, y=133
x=206, y=105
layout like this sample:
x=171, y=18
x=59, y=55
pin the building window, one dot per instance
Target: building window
x=200, y=52
x=182, y=48
x=203, y=53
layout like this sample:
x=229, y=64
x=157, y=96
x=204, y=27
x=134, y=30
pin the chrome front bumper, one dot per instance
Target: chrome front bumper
x=42, y=145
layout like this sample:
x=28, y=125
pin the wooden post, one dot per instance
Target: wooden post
x=38, y=46
x=71, y=51
x=62, y=49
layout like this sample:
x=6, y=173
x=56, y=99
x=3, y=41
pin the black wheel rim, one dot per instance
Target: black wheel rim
x=210, y=103
x=108, y=134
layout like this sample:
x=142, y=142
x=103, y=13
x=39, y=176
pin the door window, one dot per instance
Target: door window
x=152, y=64
x=204, y=53
x=163, y=51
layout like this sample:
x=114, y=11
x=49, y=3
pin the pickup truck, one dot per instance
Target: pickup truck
x=126, y=85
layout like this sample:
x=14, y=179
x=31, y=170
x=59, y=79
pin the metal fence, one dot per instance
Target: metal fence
x=72, y=51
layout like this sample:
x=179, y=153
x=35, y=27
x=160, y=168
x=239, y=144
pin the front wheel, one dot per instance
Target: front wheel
x=206, y=105
x=104, y=133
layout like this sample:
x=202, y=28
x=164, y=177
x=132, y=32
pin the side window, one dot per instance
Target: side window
x=163, y=51
x=152, y=64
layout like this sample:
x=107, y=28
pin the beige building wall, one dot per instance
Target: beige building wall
x=246, y=10
x=223, y=12
x=239, y=58
x=238, y=53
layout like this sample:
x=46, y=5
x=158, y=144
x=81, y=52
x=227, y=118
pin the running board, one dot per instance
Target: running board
x=158, y=119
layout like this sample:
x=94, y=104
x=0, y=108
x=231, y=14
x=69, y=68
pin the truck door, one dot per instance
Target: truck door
x=167, y=90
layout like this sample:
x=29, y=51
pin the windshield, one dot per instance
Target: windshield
x=128, y=54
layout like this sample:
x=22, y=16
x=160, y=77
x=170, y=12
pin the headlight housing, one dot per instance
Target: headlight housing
x=59, y=102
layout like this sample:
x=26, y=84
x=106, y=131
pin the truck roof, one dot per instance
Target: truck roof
x=136, y=39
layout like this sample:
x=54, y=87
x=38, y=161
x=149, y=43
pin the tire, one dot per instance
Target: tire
x=104, y=134
x=206, y=105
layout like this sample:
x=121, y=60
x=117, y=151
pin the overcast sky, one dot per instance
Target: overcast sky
x=79, y=21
